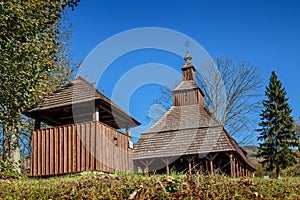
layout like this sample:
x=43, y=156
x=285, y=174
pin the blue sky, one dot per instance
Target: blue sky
x=264, y=32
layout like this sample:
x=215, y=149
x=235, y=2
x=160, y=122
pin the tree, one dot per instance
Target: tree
x=242, y=85
x=277, y=131
x=32, y=60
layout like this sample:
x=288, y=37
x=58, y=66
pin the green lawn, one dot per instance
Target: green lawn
x=123, y=186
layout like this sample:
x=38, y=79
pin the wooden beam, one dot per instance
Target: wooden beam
x=190, y=159
x=127, y=130
x=211, y=158
x=50, y=120
x=37, y=123
x=147, y=163
x=237, y=169
x=167, y=162
x=231, y=165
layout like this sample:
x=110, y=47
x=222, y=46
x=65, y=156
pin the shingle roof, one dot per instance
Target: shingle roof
x=182, y=142
x=186, y=85
x=76, y=93
x=183, y=117
x=185, y=130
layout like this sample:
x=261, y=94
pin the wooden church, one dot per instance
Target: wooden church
x=82, y=132
x=188, y=138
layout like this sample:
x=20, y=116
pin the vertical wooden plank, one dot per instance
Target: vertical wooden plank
x=105, y=147
x=120, y=151
x=78, y=154
x=98, y=146
x=129, y=158
x=92, y=144
x=74, y=152
x=47, y=152
x=110, y=150
x=113, y=148
x=38, y=150
x=52, y=151
x=70, y=148
x=65, y=144
x=56, y=150
x=43, y=160
x=38, y=153
x=87, y=145
x=83, y=144
x=61, y=150
x=124, y=151
x=126, y=164
x=127, y=151
x=33, y=154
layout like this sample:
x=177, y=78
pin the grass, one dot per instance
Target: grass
x=135, y=186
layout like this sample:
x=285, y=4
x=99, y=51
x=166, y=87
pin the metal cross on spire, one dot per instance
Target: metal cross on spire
x=187, y=43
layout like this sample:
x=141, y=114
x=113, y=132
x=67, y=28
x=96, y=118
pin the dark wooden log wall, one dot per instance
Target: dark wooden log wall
x=73, y=148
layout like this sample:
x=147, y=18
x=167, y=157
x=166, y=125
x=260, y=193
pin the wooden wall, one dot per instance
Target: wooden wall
x=79, y=147
x=190, y=97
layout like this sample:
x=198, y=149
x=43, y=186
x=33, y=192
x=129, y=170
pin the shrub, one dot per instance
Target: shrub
x=291, y=171
x=9, y=169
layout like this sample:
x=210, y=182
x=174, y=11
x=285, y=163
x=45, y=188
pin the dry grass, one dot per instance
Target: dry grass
x=134, y=186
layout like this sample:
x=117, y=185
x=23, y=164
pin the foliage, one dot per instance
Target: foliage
x=293, y=171
x=277, y=131
x=32, y=62
x=8, y=169
x=135, y=186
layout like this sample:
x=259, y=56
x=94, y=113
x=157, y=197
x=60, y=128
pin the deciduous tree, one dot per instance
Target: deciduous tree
x=32, y=62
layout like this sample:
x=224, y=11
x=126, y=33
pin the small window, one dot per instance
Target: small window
x=115, y=141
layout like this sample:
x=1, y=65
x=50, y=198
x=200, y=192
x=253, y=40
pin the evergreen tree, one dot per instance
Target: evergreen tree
x=277, y=131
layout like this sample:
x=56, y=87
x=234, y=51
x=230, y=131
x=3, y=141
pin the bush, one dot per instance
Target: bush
x=9, y=169
x=292, y=171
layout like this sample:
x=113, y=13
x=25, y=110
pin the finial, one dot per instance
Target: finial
x=187, y=56
x=187, y=43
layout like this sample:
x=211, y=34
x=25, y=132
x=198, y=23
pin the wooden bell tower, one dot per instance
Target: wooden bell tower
x=187, y=92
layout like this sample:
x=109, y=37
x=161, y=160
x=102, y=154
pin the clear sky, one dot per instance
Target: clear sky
x=264, y=32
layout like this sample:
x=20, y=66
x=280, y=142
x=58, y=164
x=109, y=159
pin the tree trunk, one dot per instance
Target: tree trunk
x=11, y=147
x=277, y=172
x=6, y=143
x=15, y=147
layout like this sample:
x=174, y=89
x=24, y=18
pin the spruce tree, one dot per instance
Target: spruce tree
x=277, y=131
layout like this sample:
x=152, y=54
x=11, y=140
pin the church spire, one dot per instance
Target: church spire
x=188, y=70
x=187, y=92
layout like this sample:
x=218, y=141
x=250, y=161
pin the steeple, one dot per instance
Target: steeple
x=188, y=70
x=187, y=92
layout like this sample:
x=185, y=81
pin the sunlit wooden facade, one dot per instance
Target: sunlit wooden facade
x=83, y=133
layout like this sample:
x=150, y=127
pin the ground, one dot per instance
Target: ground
x=137, y=186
